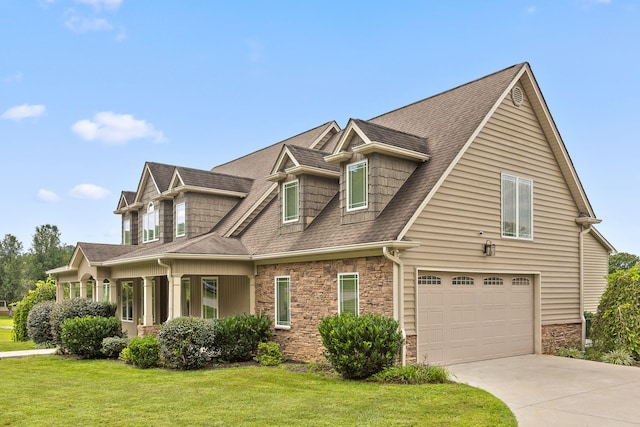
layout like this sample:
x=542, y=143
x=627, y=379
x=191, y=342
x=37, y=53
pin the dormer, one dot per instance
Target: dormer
x=375, y=161
x=200, y=199
x=306, y=184
x=129, y=212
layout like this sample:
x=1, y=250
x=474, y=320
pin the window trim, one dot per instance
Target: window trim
x=340, y=291
x=183, y=208
x=126, y=232
x=284, y=201
x=129, y=301
x=517, y=180
x=151, y=210
x=277, y=295
x=349, y=203
x=217, y=307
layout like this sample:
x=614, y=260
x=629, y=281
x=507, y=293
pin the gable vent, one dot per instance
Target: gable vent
x=517, y=96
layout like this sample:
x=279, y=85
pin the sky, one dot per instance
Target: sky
x=91, y=89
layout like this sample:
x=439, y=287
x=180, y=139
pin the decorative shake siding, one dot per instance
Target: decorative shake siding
x=386, y=176
x=596, y=268
x=314, y=295
x=469, y=202
x=315, y=193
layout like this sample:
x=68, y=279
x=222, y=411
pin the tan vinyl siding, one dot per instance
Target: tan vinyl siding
x=233, y=295
x=596, y=267
x=469, y=201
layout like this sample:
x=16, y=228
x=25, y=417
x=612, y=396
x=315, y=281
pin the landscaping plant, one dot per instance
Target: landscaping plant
x=144, y=352
x=39, y=325
x=412, y=374
x=360, y=346
x=269, y=354
x=186, y=343
x=77, y=307
x=237, y=337
x=113, y=346
x=83, y=336
x=44, y=291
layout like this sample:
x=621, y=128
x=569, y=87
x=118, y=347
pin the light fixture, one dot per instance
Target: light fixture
x=489, y=248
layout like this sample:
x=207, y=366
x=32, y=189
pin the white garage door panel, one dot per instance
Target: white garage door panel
x=466, y=322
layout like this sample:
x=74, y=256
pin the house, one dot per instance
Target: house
x=460, y=215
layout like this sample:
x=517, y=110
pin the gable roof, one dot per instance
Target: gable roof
x=305, y=160
x=207, y=181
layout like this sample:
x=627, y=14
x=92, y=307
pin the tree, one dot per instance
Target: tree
x=622, y=261
x=46, y=252
x=44, y=291
x=12, y=270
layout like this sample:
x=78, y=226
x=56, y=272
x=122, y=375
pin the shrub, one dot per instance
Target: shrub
x=44, y=291
x=38, y=323
x=113, y=346
x=618, y=357
x=83, y=336
x=269, y=354
x=77, y=307
x=360, y=346
x=412, y=374
x=571, y=352
x=616, y=325
x=186, y=342
x=144, y=352
x=237, y=337
x=125, y=355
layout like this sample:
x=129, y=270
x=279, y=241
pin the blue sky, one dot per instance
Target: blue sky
x=91, y=89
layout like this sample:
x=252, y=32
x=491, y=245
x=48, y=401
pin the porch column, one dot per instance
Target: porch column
x=252, y=294
x=72, y=290
x=113, y=292
x=175, y=296
x=147, y=301
x=97, y=290
x=83, y=289
x=59, y=291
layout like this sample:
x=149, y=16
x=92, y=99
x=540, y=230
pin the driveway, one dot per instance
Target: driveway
x=558, y=391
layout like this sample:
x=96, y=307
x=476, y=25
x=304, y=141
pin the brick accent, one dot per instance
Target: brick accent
x=314, y=295
x=411, y=349
x=148, y=330
x=556, y=336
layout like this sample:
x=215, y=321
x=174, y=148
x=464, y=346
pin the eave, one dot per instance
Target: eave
x=379, y=147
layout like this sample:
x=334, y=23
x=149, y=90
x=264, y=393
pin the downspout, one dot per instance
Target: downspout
x=170, y=293
x=585, y=223
x=398, y=294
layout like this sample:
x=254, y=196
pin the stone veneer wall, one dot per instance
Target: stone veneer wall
x=148, y=330
x=411, y=349
x=314, y=295
x=556, y=336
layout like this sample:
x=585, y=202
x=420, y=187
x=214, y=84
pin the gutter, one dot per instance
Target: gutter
x=398, y=294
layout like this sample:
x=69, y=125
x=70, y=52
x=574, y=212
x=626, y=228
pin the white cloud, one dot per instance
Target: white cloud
x=24, y=111
x=17, y=77
x=99, y=4
x=115, y=128
x=89, y=191
x=47, y=196
x=80, y=24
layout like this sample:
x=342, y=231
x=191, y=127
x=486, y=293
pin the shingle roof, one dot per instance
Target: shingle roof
x=213, y=180
x=129, y=196
x=161, y=174
x=99, y=252
x=312, y=158
x=396, y=138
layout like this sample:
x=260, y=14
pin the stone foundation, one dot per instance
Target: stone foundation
x=314, y=295
x=148, y=330
x=556, y=336
x=411, y=349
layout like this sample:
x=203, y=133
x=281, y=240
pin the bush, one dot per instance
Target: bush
x=186, y=343
x=360, y=346
x=77, y=307
x=618, y=357
x=83, y=336
x=571, y=352
x=44, y=291
x=616, y=325
x=269, y=354
x=38, y=323
x=113, y=346
x=412, y=374
x=237, y=337
x=144, y=352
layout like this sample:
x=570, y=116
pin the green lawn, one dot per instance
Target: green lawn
x=6, y=340
x=6, y=321
x=51, y=390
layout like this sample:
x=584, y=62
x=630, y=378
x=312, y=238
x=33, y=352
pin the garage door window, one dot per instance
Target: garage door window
x=520, y=281
x=462, y=280
x=429, y=280
x=493, y=281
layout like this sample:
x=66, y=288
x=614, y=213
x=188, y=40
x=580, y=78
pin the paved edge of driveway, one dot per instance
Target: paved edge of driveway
x=27, y=353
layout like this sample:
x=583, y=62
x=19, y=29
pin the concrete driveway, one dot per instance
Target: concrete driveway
x=558, y=391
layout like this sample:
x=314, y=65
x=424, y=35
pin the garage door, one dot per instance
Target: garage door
x=463, y=317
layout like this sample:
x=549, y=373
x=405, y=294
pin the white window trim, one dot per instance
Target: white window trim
x=284, y=202
x=217, y=307
x=184, y=210
x=145, y=224
x=276, y=294
x=518, y=179
x=366, y=190
x=126, y=228
x=357, y=275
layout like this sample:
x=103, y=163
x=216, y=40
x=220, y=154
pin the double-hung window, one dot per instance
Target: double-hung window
x=348, y=293
x=517, y=207
x=151, y=224
x=290, y=201
x=357, y=185
x=126, y=301
x=210, y=297
x=126, y=234
x=283, y=301
x=180, y=220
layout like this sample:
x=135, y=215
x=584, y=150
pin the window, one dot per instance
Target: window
x=429, y=280
x=283, y=301
x=357, y=190
x=520, y=281
x=210, y=297
x=517, y=207
x=180, y=220
x=462, y=280
x=151, y=224
x=290, y=201
x=89, y=289
x=348, y=293
x=493, y=281
x=126, y=301
x=126, y=234
x=106, y=291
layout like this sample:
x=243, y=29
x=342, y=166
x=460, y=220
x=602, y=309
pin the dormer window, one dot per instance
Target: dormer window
x=357, y=186
x=126, y=234
x=290, y=201
x=180, y=220
x=150, y=224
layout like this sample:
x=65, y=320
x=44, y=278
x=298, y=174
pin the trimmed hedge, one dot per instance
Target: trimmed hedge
x=78, y=307
x=39, y=325
x=144, y=352
x=44, y=291
x=83, y=336
x=360, y=346
x=186, y=343
x=237, y=337
x=113, y=346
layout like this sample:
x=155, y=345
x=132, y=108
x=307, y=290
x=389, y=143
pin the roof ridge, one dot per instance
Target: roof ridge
x=214, y=172
x=389, y=128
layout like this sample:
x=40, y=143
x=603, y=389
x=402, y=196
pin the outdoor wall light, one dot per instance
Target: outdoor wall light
x=489, y=248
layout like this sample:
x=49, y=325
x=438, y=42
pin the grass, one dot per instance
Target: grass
x=52, y=390
x=6, y=341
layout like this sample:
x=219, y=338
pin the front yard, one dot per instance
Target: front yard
x=53, y=390
x=6, y=340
